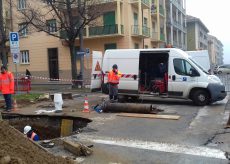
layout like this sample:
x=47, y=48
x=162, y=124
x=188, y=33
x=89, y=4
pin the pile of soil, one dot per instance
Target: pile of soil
x=15, y=148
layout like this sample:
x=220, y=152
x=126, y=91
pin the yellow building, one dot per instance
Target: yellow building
x=127, y=24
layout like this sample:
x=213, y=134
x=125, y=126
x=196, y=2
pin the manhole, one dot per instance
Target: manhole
x=47, y=127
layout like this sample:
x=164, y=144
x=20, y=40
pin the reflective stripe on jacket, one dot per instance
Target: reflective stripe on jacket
x=7, y=83
x=113, y=77
x=34, y=137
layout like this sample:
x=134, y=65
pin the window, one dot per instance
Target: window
x=23, y=30
x=110, y=46
x=21, y=4
x=136, y=46
x=182, y=67
x=51, y=25
x=25, y=57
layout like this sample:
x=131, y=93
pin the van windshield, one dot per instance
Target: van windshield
x=198, y=66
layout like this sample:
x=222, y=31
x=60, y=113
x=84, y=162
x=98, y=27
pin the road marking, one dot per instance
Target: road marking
x=156, y=146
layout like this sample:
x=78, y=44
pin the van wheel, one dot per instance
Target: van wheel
x=219, y=72
x=105, y=88
x=200, y=97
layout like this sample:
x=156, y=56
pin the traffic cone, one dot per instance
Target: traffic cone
x=86, y=105
x=15, y=106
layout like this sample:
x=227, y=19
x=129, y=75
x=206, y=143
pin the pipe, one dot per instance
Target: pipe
x=127, y=107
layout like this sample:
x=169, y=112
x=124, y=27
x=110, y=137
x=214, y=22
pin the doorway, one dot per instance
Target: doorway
x=53, y=64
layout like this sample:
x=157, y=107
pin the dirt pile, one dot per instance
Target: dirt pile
x=16, y=149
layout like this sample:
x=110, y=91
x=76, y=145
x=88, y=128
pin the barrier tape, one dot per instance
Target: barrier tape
x=51, y=79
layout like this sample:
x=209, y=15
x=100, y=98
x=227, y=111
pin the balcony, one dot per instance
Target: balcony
x=97, y=31
x=63, y=34
x=105, y=30
x=107, y=1
x=136, y=31
x=154, y=11
x=155, y=38
x=145, y=4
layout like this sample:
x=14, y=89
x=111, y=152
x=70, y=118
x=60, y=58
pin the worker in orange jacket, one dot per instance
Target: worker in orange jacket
x=7, y=86
x=113, y=80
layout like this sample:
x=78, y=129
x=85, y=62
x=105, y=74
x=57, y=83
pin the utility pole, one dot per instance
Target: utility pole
x=81, y=47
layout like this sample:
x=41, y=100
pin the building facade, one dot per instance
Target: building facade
x=124, y=24
x=176, y=23
x=197, y=34
x=215, y=49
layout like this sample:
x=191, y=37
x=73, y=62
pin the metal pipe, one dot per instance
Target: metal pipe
x=127, y=107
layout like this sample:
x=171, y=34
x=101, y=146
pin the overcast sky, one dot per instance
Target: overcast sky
x=215, y=16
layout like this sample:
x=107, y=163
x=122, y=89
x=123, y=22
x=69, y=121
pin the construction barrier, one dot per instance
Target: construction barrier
x=23, y=84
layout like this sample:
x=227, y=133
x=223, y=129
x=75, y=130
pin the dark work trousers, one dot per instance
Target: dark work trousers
x=8, y=101
x=113, y=90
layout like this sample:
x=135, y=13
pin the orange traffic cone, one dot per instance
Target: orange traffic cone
x=15, y=106
x=86, y=105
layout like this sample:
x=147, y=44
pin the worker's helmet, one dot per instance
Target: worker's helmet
x=115, y=66
x=27, y=129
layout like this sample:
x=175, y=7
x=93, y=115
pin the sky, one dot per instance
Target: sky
x=215, y=16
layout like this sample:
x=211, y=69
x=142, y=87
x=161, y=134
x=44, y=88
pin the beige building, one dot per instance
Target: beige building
x=128, y=24
x=215, y=49
x=176, y=23
x=197, y=34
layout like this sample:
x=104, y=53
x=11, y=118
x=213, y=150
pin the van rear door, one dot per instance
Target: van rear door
x=96, y=74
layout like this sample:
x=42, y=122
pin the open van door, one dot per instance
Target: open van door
x=96, y=75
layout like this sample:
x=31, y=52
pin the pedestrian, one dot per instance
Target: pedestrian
x=113, y=80
x=7, y=87
x=28, y=74
x=30, y=133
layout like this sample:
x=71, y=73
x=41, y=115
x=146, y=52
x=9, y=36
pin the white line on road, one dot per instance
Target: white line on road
x=156, y=146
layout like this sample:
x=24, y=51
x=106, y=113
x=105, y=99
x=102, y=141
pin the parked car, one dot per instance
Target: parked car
x=223, y=69
x=215, y=69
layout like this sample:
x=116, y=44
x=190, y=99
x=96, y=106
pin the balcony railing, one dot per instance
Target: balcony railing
x=136, y=31
x=63, y=34
x=145, y=31
x=105, y=30
x=145, y=2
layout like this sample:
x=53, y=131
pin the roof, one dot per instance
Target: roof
x=191, y=19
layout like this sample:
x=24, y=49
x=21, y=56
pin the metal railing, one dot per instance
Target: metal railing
x=104, y=30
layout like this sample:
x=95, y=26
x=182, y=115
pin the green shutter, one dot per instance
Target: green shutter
x=109, y=18
x=110, y=46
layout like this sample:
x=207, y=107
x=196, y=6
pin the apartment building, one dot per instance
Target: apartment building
x=176, y=23
x=215, y=49
x=197, y=34
x=125, y=24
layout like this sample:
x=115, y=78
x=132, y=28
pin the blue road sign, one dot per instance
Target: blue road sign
x=14, y=36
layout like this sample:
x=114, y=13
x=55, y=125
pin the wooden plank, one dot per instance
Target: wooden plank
x=156, y=116
x=66, y=127
x=77, y=148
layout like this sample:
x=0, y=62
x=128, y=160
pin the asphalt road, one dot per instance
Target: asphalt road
x=139, y=140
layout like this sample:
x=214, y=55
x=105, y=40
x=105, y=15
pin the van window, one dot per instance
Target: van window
x=182, y=67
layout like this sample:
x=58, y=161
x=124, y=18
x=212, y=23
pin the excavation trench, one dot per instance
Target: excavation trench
x=47, y=127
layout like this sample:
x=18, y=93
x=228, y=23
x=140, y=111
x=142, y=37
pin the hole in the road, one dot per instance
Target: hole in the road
x=47, y=127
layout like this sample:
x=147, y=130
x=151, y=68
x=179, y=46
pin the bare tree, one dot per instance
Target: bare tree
x=3, y=36
x=71, y=16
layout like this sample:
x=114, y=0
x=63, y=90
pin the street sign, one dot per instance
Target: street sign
x=14, y=43
x=87, y=51
x=16, y=58
x=80, y=53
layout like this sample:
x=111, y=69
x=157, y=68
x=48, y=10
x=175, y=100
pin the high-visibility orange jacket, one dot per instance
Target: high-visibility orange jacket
x=113, y=77
x=7, y=83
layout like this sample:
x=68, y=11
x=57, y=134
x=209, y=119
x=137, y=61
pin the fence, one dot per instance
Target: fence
x=226, y=81
x=23, y=84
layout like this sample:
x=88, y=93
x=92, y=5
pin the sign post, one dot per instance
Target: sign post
x=15, y=51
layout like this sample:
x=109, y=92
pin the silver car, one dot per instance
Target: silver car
x=223, y=69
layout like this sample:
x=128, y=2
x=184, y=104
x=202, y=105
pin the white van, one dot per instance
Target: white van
x=142, y=75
